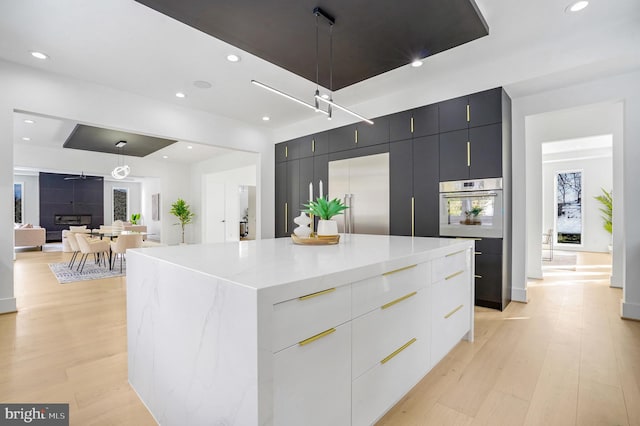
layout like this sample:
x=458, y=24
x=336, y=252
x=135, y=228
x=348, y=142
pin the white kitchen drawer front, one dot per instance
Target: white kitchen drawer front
x=312, y=381
x=374, y=292
x=451, y=314
x=376, y=391
x=453, y=262
x=306, y=316
x=383, y=330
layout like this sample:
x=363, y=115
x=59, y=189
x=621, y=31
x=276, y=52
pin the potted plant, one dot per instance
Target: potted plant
x=182, y=211
x=325, y=210
x=135, y=217
x=606, y=199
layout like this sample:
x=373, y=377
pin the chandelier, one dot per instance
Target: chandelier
x=121, y=170
x=327, y=99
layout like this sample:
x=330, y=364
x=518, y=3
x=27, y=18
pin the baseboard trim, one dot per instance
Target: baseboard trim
x=519, y=294
x=630, y=310
x=614, y=281
x=8, y=305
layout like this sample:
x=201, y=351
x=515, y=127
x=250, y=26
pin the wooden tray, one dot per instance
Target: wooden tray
x=316, y=241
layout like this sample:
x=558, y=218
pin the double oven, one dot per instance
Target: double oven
x=471, y=208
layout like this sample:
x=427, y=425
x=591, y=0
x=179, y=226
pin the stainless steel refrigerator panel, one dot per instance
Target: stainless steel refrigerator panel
x=363, y=184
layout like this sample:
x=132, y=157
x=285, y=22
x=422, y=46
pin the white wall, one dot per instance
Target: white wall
x=34, y=91
x=149, y=187
x=135, y=194
x=30, y=197
x=623, y=90
x=596, y=173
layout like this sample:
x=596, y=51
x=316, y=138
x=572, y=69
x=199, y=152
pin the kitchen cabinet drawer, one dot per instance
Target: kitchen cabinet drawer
x=312, y=382
x=374, y=292
x=298, y=319
x=451, y=314
x=452, y=263
x=489, y=245
x=383, y=330
x=376, y=391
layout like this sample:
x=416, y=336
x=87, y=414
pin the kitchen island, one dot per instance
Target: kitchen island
x=270, y=333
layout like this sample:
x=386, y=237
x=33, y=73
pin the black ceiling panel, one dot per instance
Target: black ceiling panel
x=370, y=37
x=91, y=138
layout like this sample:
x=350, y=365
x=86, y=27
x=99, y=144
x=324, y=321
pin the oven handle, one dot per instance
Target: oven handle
x=468, y=194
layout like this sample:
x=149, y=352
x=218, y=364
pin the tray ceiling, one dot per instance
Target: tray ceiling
x=97, y=139
x=369, y=37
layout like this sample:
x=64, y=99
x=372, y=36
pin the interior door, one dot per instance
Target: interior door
x=215, y=206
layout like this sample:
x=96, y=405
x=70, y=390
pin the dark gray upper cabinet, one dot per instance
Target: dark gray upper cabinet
x=485, y=151
x=401, y=185
x=426, y=165
x=485, y=107
x=342, y=138
x=293, y=193
x=281, y=199
x=372, y=134
x=320, y=143
x=400, y=126
x=281, y=152
x=453, y=155
x=425, y=121
x=305, y=177
x=321, y=173
x=452, y=114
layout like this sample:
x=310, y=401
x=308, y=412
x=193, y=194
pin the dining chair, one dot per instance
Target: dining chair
x=99, y=248
x=124, y=242
x=75, y=248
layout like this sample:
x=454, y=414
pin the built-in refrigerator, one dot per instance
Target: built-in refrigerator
x=362, y=183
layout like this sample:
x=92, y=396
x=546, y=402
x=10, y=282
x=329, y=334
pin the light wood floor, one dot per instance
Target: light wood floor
x=565, y=358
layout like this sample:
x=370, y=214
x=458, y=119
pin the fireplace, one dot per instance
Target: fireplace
x=72, y=219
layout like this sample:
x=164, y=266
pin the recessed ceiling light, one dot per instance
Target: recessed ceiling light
x=233, y=58
x=266, y=118
x=417, y=63
x=26, y=139
x=577, y=6
x=39, y=55
x=189, y=147
x=201, y=84
x=325, y=96
x=29, y=121
x=165, y=156
x=180, y=95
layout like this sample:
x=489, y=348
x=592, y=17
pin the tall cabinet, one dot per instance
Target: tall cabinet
x=457, y=139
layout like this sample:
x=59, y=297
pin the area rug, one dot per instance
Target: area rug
x=91, y=271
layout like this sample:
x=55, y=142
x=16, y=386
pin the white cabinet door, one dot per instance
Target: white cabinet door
x=312, y=381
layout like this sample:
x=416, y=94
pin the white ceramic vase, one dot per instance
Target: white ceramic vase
x=327, y=227
x=302, y=230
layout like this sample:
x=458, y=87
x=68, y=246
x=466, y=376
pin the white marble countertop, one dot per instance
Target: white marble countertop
x=263, y=264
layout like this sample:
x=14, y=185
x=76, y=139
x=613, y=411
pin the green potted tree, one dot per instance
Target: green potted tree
x=325, y=210
x=182, y=211
x=606, y=199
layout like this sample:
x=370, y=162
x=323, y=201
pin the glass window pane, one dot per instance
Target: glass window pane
x=120, y=204
x=569, y=208
x=17, y=198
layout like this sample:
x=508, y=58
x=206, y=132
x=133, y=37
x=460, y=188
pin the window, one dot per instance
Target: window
x=569, y=208
x=18, y=196
x=120, y=204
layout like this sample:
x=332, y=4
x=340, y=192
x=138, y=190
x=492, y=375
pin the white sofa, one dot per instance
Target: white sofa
x=33, y=237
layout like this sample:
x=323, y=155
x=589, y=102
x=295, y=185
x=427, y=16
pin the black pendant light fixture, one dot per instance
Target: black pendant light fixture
x=319, y=13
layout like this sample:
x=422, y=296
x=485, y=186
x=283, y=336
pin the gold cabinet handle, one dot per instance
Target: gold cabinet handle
x=468, y=153
x=477, y=252
x=413, y=216
x=316, y=294
x=454, y=253
x=356, y=135
x=286, y=217
x=313, y=145
x=468, y=113
x=397, y=351
x=316, y=337
x=398, y=270
x=411, y=124
x=477, y=276
x=453, y=312
x=454, y=275
x=286, y=151
x=398, y=300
